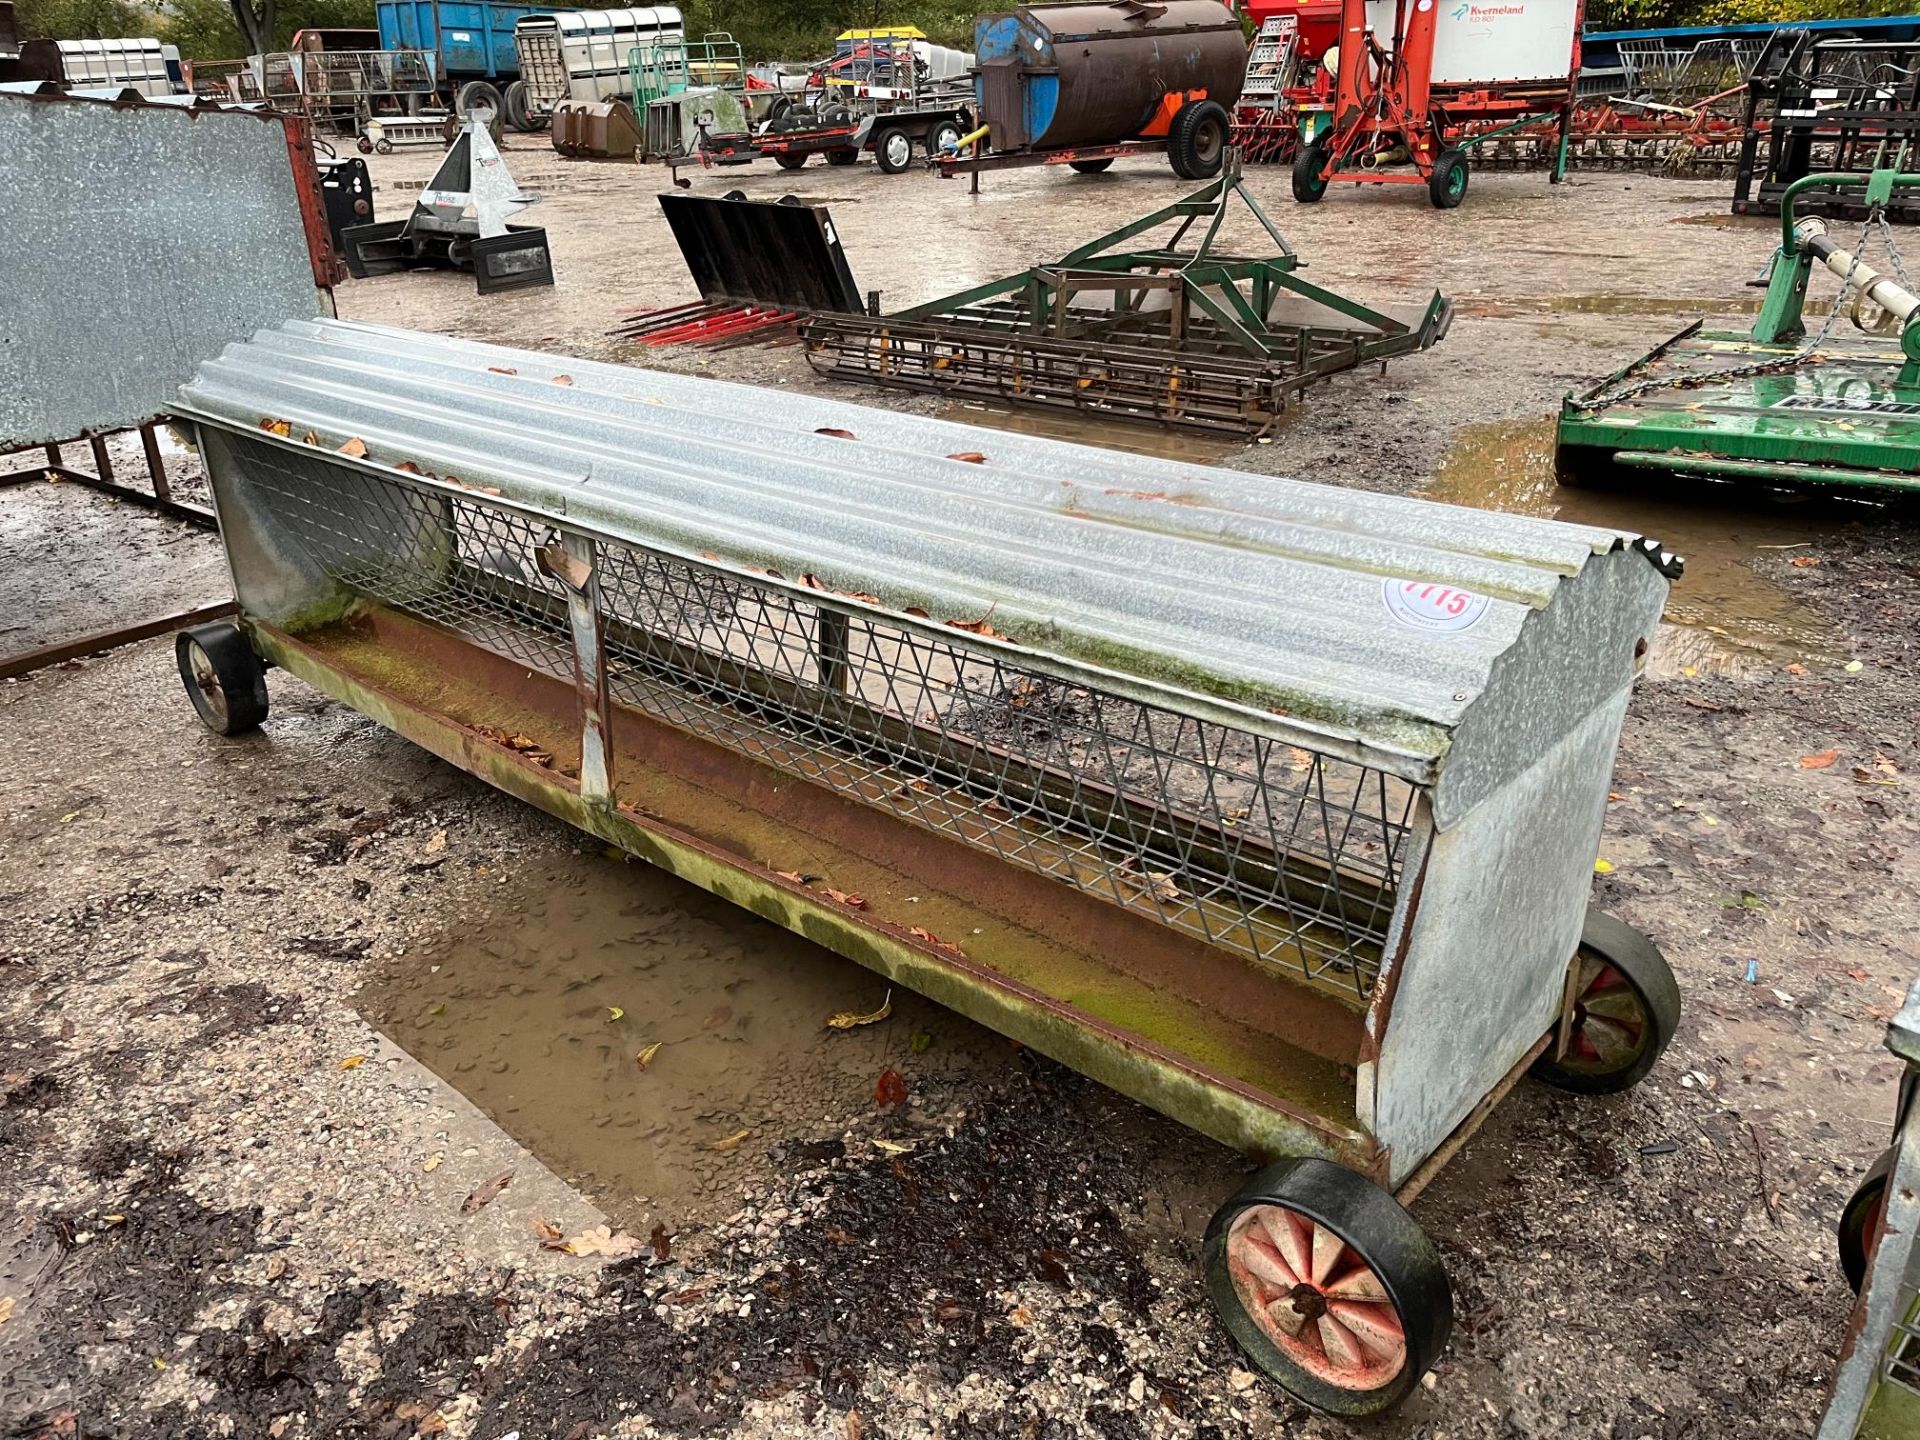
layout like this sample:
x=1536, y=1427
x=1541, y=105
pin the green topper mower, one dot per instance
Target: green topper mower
x=1776, y=406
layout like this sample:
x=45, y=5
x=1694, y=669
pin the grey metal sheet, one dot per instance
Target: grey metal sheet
x=139, y=239
x=1275, y=598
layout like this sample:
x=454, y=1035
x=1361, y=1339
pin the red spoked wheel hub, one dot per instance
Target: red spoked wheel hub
x=1609, y=1020
x=1316, y=1298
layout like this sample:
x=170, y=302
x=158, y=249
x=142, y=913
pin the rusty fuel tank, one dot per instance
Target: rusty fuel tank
x=1096, y=73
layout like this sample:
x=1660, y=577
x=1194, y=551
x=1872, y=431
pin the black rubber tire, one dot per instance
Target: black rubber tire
x=1309, y=187
x=363, y=145
x=513, y=106
x=1447, y=186
x=224, y=678
x=1197, y=139
x=938, y=135
x=893, y=150
x=842, y=157
x=478, y=94
x=1091, y=167
x=1861, y=1217
x=790, y=162
x=1380, y=1230
x=1639, y=961
x=385, y=147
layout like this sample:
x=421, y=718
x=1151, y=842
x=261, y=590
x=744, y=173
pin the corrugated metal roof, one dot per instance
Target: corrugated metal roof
x=1275, y=596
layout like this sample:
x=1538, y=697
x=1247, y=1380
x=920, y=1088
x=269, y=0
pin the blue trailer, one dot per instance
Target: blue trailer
x=473, y=40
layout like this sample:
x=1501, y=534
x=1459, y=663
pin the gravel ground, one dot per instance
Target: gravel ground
x=230, y=1206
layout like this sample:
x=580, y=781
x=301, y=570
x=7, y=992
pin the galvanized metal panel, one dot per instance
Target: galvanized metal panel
x=1279, y=602
x=139, y=240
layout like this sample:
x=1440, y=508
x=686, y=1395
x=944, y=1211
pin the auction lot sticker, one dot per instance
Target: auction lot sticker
x=1436, y=609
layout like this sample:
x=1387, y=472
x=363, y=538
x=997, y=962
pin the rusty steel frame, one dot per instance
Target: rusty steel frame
x=160, y=499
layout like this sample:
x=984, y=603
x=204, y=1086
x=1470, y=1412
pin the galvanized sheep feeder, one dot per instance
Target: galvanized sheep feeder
x=1270, y=805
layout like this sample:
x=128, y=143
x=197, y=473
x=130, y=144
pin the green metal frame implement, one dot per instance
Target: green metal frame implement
x=1773, y=406
x=1187, y=337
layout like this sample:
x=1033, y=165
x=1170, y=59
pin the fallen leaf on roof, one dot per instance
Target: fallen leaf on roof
x=563, y=379
x=851, y=901
x=482, y=1194
x=848, y=1019
x=836, y=433
x=503, y=369
x=277, y=427
x=354, y=449
x=971, y=457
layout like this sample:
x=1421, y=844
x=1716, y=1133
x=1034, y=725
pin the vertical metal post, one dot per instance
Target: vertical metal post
x=156, y=467
x=102, y=464
x=830, y=648
x=53, y=457
x=574, y=563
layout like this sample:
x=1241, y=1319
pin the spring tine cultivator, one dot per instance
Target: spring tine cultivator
x=1175, y=333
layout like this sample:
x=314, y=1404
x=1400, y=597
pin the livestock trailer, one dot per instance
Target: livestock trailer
x=583, y=55
x=1273, y=806
x=472, y=41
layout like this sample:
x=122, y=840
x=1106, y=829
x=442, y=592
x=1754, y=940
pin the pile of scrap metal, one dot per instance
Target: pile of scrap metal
x=1776, y=407
x=460, y=222
x=1187, y=337
x=758, y=264
x=1833, y=106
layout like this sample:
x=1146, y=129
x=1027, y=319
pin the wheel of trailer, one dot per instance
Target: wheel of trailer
x=1197, y=140
x=384, y=146
x=790, y=162
x=1626, y=1007
x=893, y=149
x=477, y=95
x=1329, y=1286
x=1309, y=185
x=943, y=138
x=363, y=145
x=224, y=678
x=842, y=157
x=1860, y=1222
x=515, y=108
x=1091, y=167
x=1447, y=186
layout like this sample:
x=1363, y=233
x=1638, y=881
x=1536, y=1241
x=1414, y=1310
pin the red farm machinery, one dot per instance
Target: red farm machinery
x=1402, y=91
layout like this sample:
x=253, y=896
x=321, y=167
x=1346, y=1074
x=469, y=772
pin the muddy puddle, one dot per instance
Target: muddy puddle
x=1139, y=439
x=1723, y=615
x=539, y=1010
x=1679, y=307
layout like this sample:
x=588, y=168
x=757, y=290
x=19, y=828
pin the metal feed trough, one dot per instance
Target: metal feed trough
x=1187, y=337
x=1270, y=805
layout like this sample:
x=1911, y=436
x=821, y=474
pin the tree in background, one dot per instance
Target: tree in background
x=1659, y=14
x=215, y=29
x=82, y=19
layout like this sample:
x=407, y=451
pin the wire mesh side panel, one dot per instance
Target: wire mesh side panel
x=1288, y=856
x=471, y=568
x=1903, y=1346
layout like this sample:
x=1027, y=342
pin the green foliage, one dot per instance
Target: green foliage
x=1658, y=14
x=82, y=19
x=205, y=30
